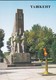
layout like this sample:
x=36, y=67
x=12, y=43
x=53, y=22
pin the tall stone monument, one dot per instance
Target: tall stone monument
x=17, y=42
x=18, y=54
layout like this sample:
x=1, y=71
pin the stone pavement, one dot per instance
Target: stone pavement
x=26, y=73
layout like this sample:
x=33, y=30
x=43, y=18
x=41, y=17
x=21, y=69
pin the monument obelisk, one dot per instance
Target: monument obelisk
x=17, y=43
x=18, y=54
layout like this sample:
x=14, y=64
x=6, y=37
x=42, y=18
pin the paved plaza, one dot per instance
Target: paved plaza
x=26, y=73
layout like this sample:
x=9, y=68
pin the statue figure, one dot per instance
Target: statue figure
x=22, y=44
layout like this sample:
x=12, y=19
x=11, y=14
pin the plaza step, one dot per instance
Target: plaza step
x=24, y=64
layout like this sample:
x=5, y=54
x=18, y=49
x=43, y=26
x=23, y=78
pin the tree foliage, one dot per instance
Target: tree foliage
x=1, y=38
x=2, y=34
x=53, y=49
x=38, y=38
x=9, y=44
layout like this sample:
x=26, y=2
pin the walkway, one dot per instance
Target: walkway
x=26, y=73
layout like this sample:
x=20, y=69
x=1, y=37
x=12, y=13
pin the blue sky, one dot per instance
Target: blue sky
x=43, y=16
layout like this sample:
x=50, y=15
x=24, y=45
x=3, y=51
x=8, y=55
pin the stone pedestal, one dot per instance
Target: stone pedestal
x=18, y=58
x=21, y=58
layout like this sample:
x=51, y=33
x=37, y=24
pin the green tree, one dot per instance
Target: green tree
x=53, y=49
x=1, y=38
x=39, y=37
x=2, y=34
x=9, y=44
x=27, y=45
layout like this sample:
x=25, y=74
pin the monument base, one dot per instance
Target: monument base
x=19, y=58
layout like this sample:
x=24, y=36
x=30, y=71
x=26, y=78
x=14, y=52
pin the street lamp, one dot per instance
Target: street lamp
x=46, y=62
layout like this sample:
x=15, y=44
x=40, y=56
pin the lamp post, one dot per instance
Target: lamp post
x=46, y=62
